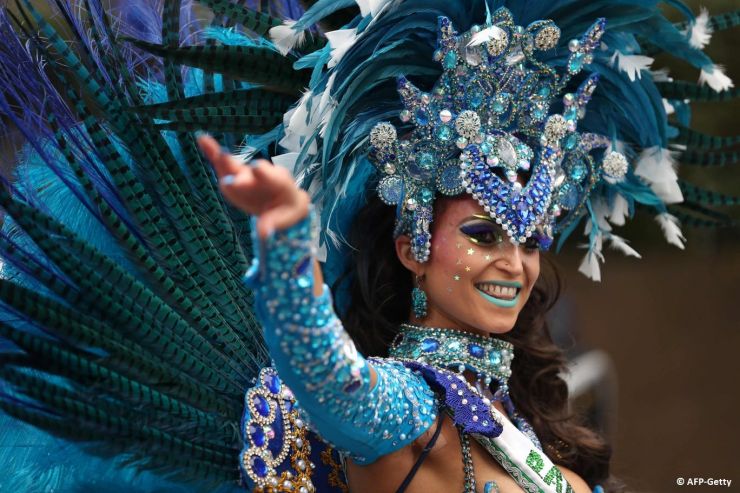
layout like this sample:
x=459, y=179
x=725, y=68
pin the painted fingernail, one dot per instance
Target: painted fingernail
x=253, y=163
x=228, y=180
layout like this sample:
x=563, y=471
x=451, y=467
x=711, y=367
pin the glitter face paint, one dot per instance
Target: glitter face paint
x=471, y=260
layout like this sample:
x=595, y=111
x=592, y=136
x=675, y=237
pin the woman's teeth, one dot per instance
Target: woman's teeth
x=502, y=292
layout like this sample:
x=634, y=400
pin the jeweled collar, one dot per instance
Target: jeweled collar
x=490, y=359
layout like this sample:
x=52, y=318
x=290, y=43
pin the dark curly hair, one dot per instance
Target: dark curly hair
x=380, y=300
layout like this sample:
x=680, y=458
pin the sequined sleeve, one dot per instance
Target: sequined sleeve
x=315, y=356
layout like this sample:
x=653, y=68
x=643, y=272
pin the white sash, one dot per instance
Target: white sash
x=529, y=467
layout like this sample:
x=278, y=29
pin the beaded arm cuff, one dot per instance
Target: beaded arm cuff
x=317, y=359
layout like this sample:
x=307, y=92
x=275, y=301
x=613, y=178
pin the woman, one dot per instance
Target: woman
x=124, y=319
x=484, y=297
x=474, y=268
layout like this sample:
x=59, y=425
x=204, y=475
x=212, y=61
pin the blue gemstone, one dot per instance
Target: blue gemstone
x=450, y=60
x=576, y=62
x=422, y=117
x=273, y=383
x=495, y=358
x=444, y=133
x=426, y=195
x=426, y=160
x=571, y=141
x=257, y=434
x=476, y=351
x=578, y=171
x=303, y=265
x=259, y=466
x=261, y=405
x=429, y=345
x=476, y=97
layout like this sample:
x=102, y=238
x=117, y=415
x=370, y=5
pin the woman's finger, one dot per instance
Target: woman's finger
x=240, y=190
x=223, y=163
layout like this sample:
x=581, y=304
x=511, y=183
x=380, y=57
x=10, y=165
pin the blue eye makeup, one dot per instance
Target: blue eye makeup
x=483, y=231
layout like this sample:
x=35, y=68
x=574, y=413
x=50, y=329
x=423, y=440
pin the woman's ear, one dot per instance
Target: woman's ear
x=406, y=256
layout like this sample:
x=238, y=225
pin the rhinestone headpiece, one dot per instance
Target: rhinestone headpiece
x=486, y=128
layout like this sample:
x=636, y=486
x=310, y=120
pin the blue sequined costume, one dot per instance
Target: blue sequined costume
x=321, y=377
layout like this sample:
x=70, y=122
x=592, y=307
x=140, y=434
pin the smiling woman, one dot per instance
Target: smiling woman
x=476, y=279
x=141, y=312
x=471, y=265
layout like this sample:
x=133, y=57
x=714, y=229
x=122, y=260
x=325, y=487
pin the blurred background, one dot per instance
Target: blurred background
x=664, y=330
x=667, y=326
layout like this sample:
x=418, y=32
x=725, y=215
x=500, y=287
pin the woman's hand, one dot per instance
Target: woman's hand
x=260, y=189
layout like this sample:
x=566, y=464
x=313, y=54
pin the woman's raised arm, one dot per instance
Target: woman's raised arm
x=367, y=409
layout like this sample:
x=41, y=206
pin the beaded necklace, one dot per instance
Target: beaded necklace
x=488, y=358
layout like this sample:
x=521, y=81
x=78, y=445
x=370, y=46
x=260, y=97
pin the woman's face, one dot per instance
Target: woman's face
x=475, y=279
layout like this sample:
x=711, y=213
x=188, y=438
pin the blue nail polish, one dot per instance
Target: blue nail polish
x=228, y=180
x=253, y=163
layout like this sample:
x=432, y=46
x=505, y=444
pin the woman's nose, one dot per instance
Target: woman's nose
x=509, y=258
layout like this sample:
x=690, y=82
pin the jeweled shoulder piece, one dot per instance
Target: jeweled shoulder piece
x=486, y=128
x=280, y=453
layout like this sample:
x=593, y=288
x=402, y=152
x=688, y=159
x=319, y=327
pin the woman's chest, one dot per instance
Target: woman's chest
x=458, y=464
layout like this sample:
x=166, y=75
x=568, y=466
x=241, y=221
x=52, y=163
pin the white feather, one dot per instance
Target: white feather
x=590, y=267
x=619, y=243
x=376, y=6
x=671, y=229
x=285, y=38
x=326, y=95
x=489, y=33
x=700, y=32
x=661, y=75
x=296, y=122
x=716, y=79
x=590, y=263
x=632, y=65
x=364, y=7
x=327, y=105
x=287, y=161
x=668, y=107
x=340, y=41
x=658, y=168
x=620, y=210
x=601, y=211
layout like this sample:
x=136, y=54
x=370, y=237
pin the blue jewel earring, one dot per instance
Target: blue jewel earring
x=419, y=300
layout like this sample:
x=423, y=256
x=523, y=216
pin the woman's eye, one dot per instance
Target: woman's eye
x=483, y=233
x=532, y=243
